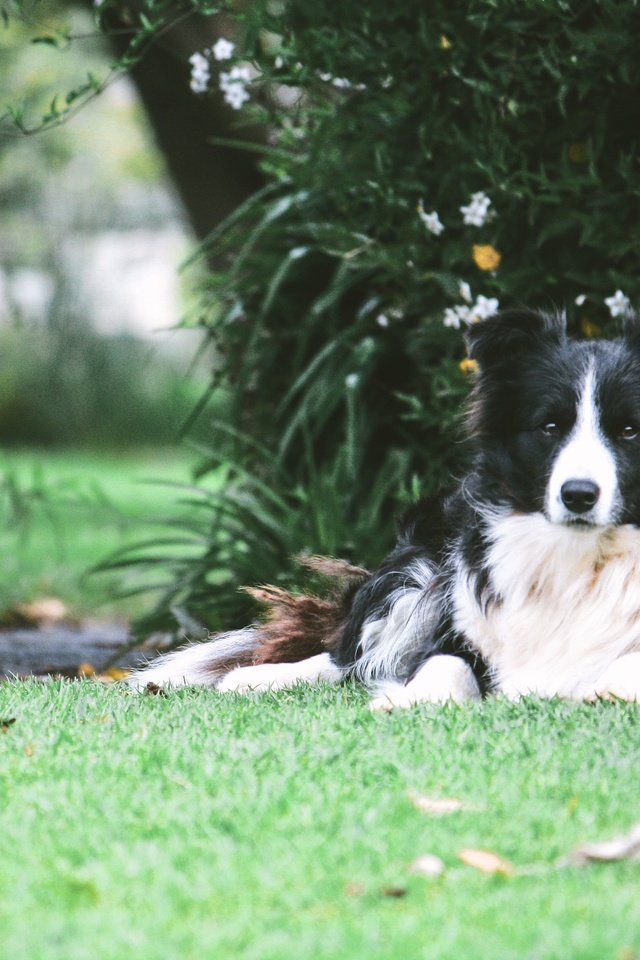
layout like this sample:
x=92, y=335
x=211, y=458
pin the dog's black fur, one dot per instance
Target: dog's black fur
x=554, y=428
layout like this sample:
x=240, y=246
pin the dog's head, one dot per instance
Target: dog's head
x=556, y=420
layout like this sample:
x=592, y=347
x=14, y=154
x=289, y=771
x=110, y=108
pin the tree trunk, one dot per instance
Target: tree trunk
x=211, y=180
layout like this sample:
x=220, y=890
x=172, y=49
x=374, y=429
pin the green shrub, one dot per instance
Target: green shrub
x=342, y=295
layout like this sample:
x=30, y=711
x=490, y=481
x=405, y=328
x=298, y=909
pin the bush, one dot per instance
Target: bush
x=438, y=159
x=74, y=388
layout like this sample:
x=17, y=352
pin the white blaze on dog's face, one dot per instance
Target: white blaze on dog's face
x=583, y=485
x=556, y=421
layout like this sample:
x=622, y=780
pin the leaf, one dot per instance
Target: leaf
x=624, y=847
x=438, y=806
x=428, y=865
x=6, y=723
x=355, y=889
x=50, y=41
x=486, y=861
x=116, y=673
x=47, y=610
x=393, y=891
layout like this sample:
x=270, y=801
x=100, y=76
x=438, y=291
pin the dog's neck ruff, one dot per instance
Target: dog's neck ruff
x=556, y=597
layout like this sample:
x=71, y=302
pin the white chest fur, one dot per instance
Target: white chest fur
x=567, y=607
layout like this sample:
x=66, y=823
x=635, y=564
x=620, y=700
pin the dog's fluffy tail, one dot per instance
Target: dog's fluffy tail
x=200, y=664
x=295, y=627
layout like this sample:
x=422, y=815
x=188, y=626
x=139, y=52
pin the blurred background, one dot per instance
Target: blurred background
x=96, y=382
x=91, y=238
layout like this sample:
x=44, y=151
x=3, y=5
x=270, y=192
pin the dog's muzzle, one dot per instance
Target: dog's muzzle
x=579, y=496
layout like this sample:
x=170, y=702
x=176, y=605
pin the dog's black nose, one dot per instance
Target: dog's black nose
x=579, y=495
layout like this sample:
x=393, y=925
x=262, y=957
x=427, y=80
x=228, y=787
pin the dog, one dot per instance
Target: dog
x=525, y=579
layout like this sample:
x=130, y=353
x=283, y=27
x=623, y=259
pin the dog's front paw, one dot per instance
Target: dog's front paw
x=395, y=697
x=256, y=679
x=620, y=681
x=281, y=676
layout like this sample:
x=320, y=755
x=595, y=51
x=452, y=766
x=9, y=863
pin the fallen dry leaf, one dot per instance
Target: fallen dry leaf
x=86, y=670
x=393, y=891
x=116, y=673
x=438, y=806
x=355, y=889
x=152, y=689
x=626, y=953
x=8, y=722
x=46, y=610
x=486, y=861
x=29, y=749
x=428, y=865
x=624, y=847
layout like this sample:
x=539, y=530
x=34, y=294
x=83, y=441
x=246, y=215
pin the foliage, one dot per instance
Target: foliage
x=62, y=511
x=426, y=162
x=430, y=162
x=247, y=528
x=335, y=270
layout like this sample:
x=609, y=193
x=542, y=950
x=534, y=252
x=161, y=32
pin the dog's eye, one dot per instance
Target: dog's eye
x=550, y=428
x=628, y=432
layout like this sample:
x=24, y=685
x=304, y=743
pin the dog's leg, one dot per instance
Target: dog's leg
x=442, y=678
x=620, y=681
x=279, y=676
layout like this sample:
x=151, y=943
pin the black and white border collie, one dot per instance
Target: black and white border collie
x=524, y=580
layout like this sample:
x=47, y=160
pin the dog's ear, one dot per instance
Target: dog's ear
x=631, y=329
x=509, y=334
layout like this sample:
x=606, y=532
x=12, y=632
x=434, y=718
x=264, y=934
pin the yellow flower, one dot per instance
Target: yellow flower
x=589, y=328
x=578, y=152
x=486, y=257
x=445, y=43
x=468, y=365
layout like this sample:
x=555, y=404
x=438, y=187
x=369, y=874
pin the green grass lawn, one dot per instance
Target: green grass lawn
x=273, y=827
x=62, y=512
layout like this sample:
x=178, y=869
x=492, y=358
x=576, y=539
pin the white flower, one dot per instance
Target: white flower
x=580, y=299
x=431, y=220
x=451, y=318
x=465, y=291
x=341, y=83
x=352, y=380
x=455, y=316
x=199, y=63
x=200, y=73
x=477, y=212
x=382, y=320
x=236, y=95
x=484, y=307
x=234, y=86
x=619, y=304
x=223, y=49
x=241, y=73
